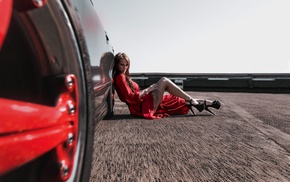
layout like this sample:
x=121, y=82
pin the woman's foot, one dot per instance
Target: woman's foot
x=215, y=104
x=199, y=106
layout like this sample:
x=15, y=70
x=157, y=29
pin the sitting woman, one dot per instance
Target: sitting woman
x=151, y=102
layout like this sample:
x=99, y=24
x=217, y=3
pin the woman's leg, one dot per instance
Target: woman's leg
x=157, y=97
x=165, y=84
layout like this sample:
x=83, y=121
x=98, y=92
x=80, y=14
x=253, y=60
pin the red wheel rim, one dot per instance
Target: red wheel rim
x=5, y=15
x=29, y=130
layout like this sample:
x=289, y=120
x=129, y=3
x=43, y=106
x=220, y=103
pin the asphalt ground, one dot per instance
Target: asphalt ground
x=247, y=140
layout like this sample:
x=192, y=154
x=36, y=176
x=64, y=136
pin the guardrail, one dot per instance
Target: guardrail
x=272, y=83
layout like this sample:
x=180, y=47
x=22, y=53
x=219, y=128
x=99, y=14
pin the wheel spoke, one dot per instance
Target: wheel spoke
x=29, y=130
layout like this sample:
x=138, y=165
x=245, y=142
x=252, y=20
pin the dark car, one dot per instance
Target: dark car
x=55, y=85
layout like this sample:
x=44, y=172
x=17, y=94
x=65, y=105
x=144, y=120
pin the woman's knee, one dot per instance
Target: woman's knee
x=162, y=84
x=164, y=79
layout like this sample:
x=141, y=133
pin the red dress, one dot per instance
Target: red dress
x=144, y=107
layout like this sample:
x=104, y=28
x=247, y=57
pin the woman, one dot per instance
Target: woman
x=151, y=102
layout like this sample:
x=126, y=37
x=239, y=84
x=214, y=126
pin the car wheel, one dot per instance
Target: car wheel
x=44, y=66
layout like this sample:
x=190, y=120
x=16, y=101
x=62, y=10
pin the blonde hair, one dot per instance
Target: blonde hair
x=116, y=71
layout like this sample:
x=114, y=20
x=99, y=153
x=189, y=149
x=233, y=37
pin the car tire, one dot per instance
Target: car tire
x=27, y=53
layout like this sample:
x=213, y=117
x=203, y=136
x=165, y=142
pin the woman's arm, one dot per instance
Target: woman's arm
x=124, y=90
x=148, y=90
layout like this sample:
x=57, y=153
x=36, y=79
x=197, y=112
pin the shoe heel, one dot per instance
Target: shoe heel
x=207, y=109
x=192, y=111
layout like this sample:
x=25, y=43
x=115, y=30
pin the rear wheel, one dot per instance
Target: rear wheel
x=42, y=56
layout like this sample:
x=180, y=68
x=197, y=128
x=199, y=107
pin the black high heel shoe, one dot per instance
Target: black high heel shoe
x=215, y=104
x=200, y=106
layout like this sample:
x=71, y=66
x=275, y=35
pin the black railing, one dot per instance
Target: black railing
x=264, y=82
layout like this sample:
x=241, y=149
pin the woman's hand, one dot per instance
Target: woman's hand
x=148, y=90
x=151, y=88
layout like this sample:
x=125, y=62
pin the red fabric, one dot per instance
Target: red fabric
x=144, y=107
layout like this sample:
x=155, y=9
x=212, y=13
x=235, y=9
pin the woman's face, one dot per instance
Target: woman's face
x=123, y=65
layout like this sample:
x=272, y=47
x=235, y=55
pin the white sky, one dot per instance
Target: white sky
x=200, y=36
